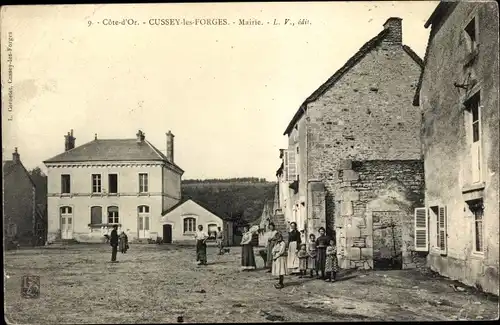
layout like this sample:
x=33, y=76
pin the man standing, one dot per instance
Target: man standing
x=114, y=243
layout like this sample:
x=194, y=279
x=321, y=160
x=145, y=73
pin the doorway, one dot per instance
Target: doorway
x=167, y=234
x=387, y=240
x=66, y=223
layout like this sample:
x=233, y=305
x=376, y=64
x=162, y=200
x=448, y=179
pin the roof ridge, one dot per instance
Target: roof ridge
x=156, y=150
x=353, y=60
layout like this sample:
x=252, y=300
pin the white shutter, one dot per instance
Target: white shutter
x=285, y=166
x=421, y=230
x=443, y=236
x=292, y=166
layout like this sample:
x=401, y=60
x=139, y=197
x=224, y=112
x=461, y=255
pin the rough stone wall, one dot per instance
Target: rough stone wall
x=369, y=192
x=446, y=139
x=366, y=115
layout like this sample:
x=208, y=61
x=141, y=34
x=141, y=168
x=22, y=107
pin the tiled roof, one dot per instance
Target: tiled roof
x=365, y=49
x=112, y=150
x=9, y=166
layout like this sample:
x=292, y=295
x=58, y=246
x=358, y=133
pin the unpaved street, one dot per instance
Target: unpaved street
x=160, y=283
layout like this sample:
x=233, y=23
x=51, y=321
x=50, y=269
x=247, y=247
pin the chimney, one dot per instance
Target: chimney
x=140, y=136
x=170, y=146
x=395, y=35
x=15, y=156
x=69, y=142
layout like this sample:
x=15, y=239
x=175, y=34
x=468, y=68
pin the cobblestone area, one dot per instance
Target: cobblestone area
x=160, y=283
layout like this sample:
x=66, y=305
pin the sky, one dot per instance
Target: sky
x=227, y=92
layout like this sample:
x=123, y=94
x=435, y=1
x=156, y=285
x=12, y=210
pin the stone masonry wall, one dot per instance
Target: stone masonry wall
x=366, y=115
x=371, y=191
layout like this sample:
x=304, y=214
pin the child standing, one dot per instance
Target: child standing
x=279, y=260
x=331, y=263
x=312, y=253
x=303, y=256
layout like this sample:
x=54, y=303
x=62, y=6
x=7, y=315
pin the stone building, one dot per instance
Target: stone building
x=24, y=220
x=107, y=182
x=458, y=97
x=353, y=162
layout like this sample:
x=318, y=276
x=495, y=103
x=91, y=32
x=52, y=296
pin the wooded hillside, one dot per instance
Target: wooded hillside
x=240, y=199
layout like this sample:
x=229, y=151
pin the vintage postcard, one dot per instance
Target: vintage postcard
x=250, y=162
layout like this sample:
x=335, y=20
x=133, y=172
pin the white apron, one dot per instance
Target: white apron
x=293, y=259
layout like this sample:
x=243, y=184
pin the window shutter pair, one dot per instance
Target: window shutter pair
x=290, y=166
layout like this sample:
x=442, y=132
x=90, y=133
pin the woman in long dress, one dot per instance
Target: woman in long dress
x=247, y=255
x=294, y=242
x=332, y=263
x=279, y=268
x=321, y=243
x=271, y=241
x=201, y=246
x=123, y=243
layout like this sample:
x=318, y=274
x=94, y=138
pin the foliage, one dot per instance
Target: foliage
x=40, y=180
x=231, y=199
x=226, y=180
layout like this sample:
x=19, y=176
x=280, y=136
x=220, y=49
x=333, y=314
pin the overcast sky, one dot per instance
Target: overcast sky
x=226, y=92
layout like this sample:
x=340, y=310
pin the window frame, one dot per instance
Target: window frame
x=91, y=215
x=115, y=219
x=109, y=183
x=474, y=134
x=94, y=186
x=64, y=184
x=472, y=40
x=144, y=188
x=194, y=225
x=475, y=206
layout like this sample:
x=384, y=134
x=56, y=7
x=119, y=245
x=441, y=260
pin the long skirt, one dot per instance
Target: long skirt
x=331, y=264
x=293, y=259
x=279, y=266
x=270, y=246
x=201, y=252
x=247, y=257
x=321, y=259
x=311, y=263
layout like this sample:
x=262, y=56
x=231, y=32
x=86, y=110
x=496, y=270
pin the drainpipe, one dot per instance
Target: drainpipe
x=306, y=127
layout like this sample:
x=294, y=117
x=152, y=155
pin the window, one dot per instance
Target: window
x=96, y=183
x=66, y=210
x=189, y=225
x=470, y=30
x=474, y=109
x=113, y=183
x=65, y=184
x=143, y=209
x=96, y=215
x=421, y=230
x=477, y=209
x=143, y=183
x=113, y=215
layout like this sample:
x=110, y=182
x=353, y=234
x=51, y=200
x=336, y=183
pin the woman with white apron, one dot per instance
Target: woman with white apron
x=294, y=242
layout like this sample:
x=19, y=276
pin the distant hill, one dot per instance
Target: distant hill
x=240, y=199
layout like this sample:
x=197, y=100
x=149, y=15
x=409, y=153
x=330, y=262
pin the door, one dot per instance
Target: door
x=387, y=240
x=167, y=234
x=144, y=221
x=66, y=223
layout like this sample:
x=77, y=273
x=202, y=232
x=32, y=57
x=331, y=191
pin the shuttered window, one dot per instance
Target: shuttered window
x=443, y=236
x=292, y=165
x=96, y=215
x=285, y=165
x=421, y=230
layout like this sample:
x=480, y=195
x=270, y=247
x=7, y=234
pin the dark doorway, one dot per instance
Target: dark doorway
x=387, y=240
x=167, y=234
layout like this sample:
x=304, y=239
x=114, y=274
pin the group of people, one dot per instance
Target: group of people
x=201, y=244
x=118, y=242
x=316, y=255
